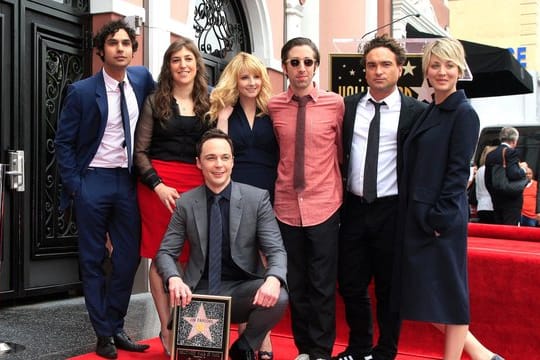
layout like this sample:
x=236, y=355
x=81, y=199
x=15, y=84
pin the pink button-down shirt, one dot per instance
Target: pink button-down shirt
x=323, y=193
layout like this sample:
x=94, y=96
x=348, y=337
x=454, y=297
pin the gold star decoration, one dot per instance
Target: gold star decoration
x=200, y=324
x=408, y=68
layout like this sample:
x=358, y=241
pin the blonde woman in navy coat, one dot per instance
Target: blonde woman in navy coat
x=434, y=209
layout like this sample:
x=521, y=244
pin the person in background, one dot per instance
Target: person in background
x=484, y=206
x=171, y=124
x=368, y=226
x=507, y=208
x=530, y=213
x=308, y=124
x=434, y=210
x=228, y=225
x=93, y=149
x=239, y=104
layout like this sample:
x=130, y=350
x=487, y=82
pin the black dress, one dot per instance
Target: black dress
x=255, y=150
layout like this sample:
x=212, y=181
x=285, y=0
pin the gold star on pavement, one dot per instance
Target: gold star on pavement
x=200, y=324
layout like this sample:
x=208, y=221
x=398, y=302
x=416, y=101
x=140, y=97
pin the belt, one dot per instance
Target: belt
x=381, y=199
x=114, y=170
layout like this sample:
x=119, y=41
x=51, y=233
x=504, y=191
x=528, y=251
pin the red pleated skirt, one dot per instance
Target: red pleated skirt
x=154, y=215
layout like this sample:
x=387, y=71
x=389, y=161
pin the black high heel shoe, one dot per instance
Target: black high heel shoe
x=265, y=355
x=165, y=349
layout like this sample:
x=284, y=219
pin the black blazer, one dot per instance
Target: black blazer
x=411, y=109
x=513, y=172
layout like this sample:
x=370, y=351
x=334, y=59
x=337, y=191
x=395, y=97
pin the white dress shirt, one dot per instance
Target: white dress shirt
x=387, y=161
x=111, y=152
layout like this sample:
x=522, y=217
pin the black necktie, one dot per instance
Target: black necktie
x=125, y=122
x=372, y=154
x=214, y=253
x=299, y=183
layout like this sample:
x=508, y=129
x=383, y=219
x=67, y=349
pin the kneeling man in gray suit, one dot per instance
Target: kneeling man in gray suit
x=236, y=221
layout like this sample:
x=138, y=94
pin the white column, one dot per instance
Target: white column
x=294, y=14
x=159, y=36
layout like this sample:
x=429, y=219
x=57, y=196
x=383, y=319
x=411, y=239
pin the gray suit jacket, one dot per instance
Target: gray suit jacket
x=252, y=227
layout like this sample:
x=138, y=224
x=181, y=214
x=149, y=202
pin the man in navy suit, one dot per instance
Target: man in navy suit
x=93, y=145
x=507, y=208
x=368, y=223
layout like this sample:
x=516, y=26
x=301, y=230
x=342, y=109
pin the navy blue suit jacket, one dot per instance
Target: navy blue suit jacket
x=82, y=124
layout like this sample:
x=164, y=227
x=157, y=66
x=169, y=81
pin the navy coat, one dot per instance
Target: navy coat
x=437, y=155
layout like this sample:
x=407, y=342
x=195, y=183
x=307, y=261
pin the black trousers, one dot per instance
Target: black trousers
x=507, y=215
x=260, y=320
x=311, y=275
x=366, y=252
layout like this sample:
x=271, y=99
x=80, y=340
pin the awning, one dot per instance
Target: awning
x=495, y=71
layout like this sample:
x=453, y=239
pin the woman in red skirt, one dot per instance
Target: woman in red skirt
x=170, y=125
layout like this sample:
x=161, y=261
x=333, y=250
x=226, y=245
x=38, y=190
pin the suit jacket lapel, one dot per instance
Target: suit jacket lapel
x=235, y=212
x=350, y=117
x=200, y=214
x=101, y=100
x=137, y=87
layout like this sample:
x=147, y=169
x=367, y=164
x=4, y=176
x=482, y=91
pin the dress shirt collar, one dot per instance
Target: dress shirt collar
x=392, y=100
x=314, y=94
x=226, y=193
x=111, y=84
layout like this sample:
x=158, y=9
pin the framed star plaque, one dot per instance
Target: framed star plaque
x=201, y=329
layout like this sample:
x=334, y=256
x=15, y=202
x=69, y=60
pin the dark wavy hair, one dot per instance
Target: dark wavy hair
x=110, y=29
x=299, y=41
x=213, y=133
x=164, y=97
x=389, y=43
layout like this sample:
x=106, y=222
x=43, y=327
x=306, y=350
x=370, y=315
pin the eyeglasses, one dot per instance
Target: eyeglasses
x=296, y=62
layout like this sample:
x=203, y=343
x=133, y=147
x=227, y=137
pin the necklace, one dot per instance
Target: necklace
x=184, y=105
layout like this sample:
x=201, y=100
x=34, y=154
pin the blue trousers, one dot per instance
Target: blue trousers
x=107, y=203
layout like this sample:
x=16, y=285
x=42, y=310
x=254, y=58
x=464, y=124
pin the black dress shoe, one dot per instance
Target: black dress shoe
x=241, y=351
x=105, y=347
x=122, y=341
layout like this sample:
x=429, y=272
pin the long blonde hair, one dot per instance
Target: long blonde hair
x=226, y=91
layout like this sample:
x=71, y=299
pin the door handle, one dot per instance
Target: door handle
x=16, y=169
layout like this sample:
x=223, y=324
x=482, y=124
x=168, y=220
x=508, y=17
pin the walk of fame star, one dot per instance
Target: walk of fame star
x=200, y=324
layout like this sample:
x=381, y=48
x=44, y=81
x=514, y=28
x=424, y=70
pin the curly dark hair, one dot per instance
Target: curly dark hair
x=164, y=90
x=111, y=28
x=389, y=43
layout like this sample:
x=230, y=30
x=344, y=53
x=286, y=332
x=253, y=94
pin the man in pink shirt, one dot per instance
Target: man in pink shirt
x=308, y=124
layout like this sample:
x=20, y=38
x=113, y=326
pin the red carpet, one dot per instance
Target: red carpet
x=284, y=349
x=504, y=280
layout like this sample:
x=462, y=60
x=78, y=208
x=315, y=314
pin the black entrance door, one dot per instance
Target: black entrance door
x=44, y=47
